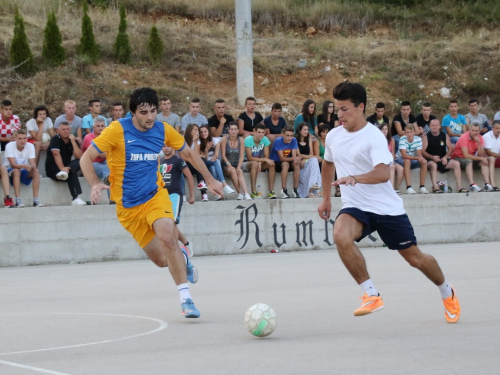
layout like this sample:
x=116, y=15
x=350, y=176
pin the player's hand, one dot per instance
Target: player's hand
x=223, y=120
x=476, y=138
x=325, y=209
x=436, y=159
x=422, y=160
x=215, y=187
x=444, y=161
x=44, y=146
x=191, y=199
x=349, y=180
x=71, y=137
x=484, y=161
x=259, y=167
x=96, y=195
x=270, y=162
x=28, y=167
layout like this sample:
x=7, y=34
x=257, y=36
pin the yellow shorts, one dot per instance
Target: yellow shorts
x=139, y=220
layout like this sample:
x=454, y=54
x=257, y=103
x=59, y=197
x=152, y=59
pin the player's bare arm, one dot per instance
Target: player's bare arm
x=90, y=175
x=379, y=174
x=327, y=176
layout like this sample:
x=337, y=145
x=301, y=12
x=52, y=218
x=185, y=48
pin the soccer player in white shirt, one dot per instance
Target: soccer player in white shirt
x=359, y=154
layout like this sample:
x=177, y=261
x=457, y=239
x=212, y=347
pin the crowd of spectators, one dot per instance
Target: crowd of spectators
x=253, y=144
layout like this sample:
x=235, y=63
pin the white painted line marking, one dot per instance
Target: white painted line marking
x=32, y=368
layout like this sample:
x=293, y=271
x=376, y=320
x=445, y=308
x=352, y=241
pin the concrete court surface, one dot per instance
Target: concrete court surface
x=124, y=317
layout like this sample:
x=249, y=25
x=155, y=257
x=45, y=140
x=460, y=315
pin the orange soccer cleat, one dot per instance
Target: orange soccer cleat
x=451, y=307
x=370, y=304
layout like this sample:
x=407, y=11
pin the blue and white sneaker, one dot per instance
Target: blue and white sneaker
x=192, y=272
x=189, y=310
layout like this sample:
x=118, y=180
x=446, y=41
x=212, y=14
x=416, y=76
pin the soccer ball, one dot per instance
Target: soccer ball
x=260, y=320
x=45, y=137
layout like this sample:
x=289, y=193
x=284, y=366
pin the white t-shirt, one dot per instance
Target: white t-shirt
x=22, y=157
x=358, y=153
x=215, y=140
x=492, y=143
x=31, y=125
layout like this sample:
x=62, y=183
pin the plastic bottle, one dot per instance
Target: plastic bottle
x=259, y=191
x=445, y=186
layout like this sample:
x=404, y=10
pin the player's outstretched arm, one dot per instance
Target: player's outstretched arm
x=189, y=155
x=90, y=175
x=378, y=175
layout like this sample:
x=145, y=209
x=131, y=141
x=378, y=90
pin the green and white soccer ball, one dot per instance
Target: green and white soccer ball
x=260, y=320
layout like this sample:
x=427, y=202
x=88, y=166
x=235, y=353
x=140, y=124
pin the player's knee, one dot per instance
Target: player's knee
x=342, y=236
x=16, y=172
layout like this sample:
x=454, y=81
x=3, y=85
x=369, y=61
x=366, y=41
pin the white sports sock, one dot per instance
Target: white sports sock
x=369, y=288
x=184, y=292
x=445, y=290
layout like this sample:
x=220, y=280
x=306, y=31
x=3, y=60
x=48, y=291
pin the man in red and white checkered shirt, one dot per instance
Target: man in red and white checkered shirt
x=9, y=123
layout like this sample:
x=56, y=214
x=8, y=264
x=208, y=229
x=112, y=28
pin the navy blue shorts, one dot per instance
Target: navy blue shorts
x=395, y=231
x=24, y=177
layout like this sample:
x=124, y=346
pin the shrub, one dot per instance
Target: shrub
x=53, y=52
x=20, y=53
x=88, y=46
x=121, y=48
x=155, y=46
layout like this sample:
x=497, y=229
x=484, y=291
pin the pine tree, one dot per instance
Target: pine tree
x=155, y=46
x=53, y=51
x=20, y=52
x=88, y=47
x=122, y=49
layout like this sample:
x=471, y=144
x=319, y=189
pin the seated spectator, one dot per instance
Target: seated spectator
x=233, y=152
x=59, y=165
x=117, y=111
x=437, y=148
x=424, y=119
x=172, y=168
x=20, y=163
x=327, y=116
x=258, y=148
x=73, y=120
x=248, y=119
x=401, y=121
x=410, y=157
x=192, y=137
x=310, y=175
x=4, y=176
x=308, y=115
x=167, y=116
x=396, y=170
x=219, y=122
x=9, y=123
x=492, y=144
x=40, y=130
x=284, y=153
x=319, y=143
x=193, y=116
x=379, y=117
x=454, y=123
x=88, y=120
x=209, y=152
x=475, y=116
x=274, y=123
x=469, y=152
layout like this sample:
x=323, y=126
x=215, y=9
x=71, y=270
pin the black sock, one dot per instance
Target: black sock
x=422, y=186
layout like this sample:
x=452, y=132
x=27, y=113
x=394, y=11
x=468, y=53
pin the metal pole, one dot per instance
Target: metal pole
x=244, y=54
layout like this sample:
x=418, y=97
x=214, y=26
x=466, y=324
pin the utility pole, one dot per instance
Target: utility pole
x=244, y=54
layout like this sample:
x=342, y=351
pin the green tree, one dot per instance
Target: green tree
x=122, y=49
x=155, y=46
x=88, y=47
x=53, y=52
x=20, y=52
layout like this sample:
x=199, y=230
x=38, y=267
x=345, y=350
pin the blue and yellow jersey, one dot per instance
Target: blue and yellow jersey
x=132, y=158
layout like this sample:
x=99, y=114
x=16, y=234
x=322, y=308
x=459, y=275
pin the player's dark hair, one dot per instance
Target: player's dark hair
x=277, y=106
x=453, y=101
x=38, y=109
x=496, y=122
x=92, y=101
x=143, y=97
x=195, y=100
x=299, y=129
x=231, y=123
x=388, y=135
x=405, y=103
x=204, y=141
x=473, y=100
x=116, y=104
x=187, y=134
x=326, y=114
x=427, y=104
x=250, y=98
x=352, y=91
x=379, y=105
x=308, y=117
x=220, y=101
x=288, y=128
x=323, y=128
x=6, y=103
x=260, y=125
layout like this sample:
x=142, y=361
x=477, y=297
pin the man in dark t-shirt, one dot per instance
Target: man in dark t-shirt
x=424, y=119
x=219, y=123
x=402, y=119
x=248, y=119
x=379, y=117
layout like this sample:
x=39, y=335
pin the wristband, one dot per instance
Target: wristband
x=355, y=181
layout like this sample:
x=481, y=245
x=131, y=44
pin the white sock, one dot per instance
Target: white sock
x=184, y=292
x=445, y=290
x=369, y=288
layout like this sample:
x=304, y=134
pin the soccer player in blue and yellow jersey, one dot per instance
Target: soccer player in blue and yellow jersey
x=143, y=207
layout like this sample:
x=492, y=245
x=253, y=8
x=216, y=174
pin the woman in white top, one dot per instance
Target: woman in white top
x=40, y=130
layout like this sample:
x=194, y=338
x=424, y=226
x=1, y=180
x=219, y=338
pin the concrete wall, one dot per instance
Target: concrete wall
x=33, y=236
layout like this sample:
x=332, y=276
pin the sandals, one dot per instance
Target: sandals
x=437, y=191
x=495, y=188
x=462, y=190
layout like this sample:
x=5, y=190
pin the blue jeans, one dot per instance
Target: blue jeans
x=215, y=169
x=414, y=163
x=454, y=140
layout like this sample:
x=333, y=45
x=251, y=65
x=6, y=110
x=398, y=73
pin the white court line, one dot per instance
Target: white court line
x=32, y=368
x=162, y=326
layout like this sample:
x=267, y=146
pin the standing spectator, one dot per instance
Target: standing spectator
x=193, y=116
x=9, y=123
x=379, y=117
x=437, y=148
x=59, y=165
x=310, y=175
x=454, y=123
x=396, y=170
x=167, y=116
x=327, y=116
x=40, y=130
x=219, y=122
x=469, y=152
x=284, y=153
x=117, y=111
x=233, y=151
x=492, y=143
x=4, y=176
x=308, y=115
x=410, y=157
x=258, y=148
x=192, y=137
x=402, y=120
x=72, y=119
x=248, y=119
x=424, y=119
x=20, y=163
x=475, y=116
x=274, y=123
x=88, y=121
